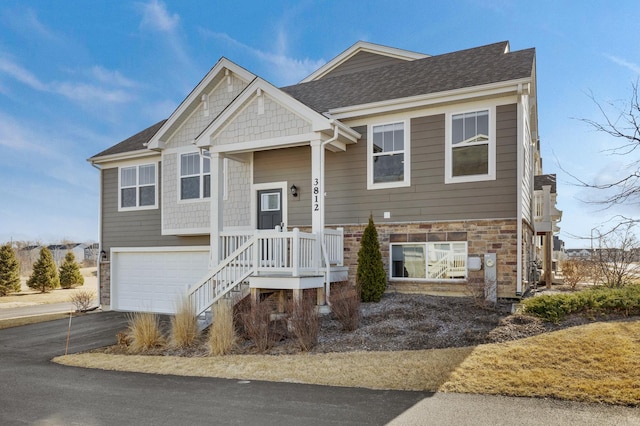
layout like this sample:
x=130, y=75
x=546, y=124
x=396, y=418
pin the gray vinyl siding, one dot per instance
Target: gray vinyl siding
x=291, y=165
x=134, y=228
x=362, y=61
x=427, y=199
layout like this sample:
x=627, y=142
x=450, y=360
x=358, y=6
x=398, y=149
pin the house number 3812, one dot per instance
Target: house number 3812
x=316, y=195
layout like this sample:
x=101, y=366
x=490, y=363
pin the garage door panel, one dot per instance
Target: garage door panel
x=154, y=280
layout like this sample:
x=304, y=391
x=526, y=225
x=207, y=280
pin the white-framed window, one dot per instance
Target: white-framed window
x=470, y=153
x=270, y=201
x=137, y=187
x=388, y=155
x=195, y=176
x=428, y=261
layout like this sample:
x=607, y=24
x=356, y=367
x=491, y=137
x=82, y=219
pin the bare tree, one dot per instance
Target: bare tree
x=616, y=258
x=621, y=120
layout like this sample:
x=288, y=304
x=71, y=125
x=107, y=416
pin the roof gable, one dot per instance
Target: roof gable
x=357, y=49
x=462, y=69
x=220, y=71
x=305, y=119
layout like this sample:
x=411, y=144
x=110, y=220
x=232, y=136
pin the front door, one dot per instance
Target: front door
x=269, y=208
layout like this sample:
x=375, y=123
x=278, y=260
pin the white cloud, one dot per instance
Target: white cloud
x=287, y=69
x=22, y=75
x=156, y=17
x=77, y=91
x=635, y=68
x=114, y=78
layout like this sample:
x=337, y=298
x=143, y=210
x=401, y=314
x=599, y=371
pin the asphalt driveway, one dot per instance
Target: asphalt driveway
x=35, y=391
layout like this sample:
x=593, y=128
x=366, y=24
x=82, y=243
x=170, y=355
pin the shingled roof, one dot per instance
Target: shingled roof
x=544, y=180
x=465, y=68
x=134, y=143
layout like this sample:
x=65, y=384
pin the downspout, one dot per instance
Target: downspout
x=323, y=249
x=99, y=256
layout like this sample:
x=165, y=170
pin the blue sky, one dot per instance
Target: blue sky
x=79, y=76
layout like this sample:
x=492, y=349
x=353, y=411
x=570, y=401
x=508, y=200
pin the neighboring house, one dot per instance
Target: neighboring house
x=441, y=150
x=59, y=251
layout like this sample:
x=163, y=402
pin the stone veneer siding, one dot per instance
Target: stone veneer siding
x=105, y=283
x=483, y=236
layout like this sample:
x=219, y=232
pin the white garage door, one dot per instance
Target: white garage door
x=154, y=279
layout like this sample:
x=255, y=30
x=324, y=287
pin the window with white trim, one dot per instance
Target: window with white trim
x=388, y=156
x=428, y=261
x=470, y=154
x=195, y=176
x=137, y=187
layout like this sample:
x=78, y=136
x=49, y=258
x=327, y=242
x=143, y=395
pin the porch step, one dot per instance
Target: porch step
x=284, y=282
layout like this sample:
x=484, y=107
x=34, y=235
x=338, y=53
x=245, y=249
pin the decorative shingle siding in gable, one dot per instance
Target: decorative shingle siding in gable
x=248, y=125
x=218, y=100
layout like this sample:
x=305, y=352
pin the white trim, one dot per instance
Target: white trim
x=425, y=244
x=317, y=121
x=407, y=156
x=266, y=144
x=157, y=141
x=122, y=157
x=283, y=185
x=137, y=186
x=448, y=154
x=362, y=46
x=202, y=174
x=465, y=94
x=158, y=249
x=186, y=231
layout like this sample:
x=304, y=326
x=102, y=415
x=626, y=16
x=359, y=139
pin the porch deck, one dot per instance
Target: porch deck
x=274, y=260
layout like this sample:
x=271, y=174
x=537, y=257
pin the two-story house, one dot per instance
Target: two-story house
x=251, y=185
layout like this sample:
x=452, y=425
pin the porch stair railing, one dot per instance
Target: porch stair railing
x=447, y=265
x=272, y=252
x=227, y=276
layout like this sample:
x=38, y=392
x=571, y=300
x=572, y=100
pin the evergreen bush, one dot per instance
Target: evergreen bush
x=45, y=274
x=9, y=271
x=70, y=275
x=371, y=277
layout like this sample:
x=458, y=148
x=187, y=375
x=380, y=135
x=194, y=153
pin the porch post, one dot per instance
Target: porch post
x=317, y=186
x=217, y=206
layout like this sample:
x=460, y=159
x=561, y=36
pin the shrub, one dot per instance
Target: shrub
x=82, y=299
x=222, y=334
x=258, y=326
x=184, y=325
x=70, y=275
x=304, y=322
x=596, y=301
x=144, y=331
x=345, y=306
x=371, y=278
x=45, y=274
x=9, y=271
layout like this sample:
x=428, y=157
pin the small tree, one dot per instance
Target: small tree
x=45, y=274
x=616, y=258
x=9, y=270
x=371, y=278
x=70, y=275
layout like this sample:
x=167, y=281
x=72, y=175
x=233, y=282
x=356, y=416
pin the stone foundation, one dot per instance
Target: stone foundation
x=105, y=283
x=482, y=236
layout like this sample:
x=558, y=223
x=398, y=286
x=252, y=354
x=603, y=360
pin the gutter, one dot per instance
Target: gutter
x=99, y=256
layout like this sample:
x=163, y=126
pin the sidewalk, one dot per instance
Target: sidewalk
x=33, y=310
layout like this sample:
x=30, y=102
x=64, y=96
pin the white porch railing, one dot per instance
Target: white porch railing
x=265, y=252
x=546, y=215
